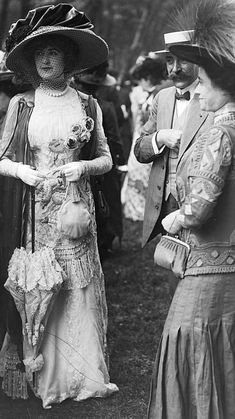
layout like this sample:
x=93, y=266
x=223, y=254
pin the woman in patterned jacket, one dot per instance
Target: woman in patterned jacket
x=194, y=374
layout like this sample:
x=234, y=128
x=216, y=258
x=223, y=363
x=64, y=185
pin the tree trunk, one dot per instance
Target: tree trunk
x=3, y=19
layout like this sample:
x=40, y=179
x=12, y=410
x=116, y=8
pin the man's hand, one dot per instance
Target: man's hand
x=169, y=137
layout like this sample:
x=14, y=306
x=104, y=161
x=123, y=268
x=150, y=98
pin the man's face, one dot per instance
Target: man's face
x=180, y=72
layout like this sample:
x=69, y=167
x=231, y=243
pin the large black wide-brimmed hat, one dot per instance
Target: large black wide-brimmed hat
x=214, y=35
x=62, y=19
x=199, y=55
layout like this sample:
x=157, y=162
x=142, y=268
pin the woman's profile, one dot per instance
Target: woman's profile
x=194, y=375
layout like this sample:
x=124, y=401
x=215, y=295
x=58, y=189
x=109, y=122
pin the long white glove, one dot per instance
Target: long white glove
x=28, y=175
x=22, y=171
x=72, y=171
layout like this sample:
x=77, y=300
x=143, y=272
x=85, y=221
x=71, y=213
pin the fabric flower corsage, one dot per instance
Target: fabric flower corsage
x=80, y=134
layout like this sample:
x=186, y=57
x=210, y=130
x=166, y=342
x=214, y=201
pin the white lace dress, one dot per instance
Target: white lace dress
x=74, y=344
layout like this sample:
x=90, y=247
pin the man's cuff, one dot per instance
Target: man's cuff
x=154, y=144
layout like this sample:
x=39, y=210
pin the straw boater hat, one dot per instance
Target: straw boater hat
x=175, y=38
x=214, y=36
x=62, y=19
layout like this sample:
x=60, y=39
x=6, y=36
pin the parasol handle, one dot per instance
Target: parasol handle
x=32, y=191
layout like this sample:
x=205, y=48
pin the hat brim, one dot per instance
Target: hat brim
x=161, y=51
x=198, y=55
x=93, y=50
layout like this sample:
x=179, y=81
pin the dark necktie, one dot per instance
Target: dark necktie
x=185, y=96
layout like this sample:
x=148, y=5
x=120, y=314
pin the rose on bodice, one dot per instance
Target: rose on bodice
x=80, y=134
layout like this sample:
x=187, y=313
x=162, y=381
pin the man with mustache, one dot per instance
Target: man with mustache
x=174, y=123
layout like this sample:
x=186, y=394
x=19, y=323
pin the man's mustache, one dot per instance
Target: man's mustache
x=177, y=76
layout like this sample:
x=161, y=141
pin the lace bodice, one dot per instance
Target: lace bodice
x=48, y=131
x=49, y=123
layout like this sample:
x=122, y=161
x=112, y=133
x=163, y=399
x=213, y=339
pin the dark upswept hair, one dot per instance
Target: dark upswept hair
x=153, y=69
x=221, y=77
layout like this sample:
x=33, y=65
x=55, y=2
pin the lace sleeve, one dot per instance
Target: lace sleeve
x=210, y=164
x=102, y=163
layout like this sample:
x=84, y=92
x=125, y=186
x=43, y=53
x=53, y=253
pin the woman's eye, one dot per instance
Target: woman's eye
x=54, y=53
x=38, y=53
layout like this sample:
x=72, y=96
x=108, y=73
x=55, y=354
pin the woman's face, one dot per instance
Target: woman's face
x=211, y=97
x=49, y=62
x=146, y=84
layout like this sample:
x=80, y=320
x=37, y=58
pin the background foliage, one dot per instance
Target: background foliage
x=131, y=28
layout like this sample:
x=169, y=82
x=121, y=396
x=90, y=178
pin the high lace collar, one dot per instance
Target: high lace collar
x=225, y=114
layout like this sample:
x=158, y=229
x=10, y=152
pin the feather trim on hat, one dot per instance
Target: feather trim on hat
x=213, y=22
x=215, y=28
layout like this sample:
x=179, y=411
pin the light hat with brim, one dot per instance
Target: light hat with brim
x=63, y=20
x=174, y=38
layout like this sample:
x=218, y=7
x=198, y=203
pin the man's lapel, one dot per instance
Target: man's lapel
x=195, y=119
x=166, y=110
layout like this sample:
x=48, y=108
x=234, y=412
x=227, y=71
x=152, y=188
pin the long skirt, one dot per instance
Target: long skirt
x=194, y=371
x=74, y=349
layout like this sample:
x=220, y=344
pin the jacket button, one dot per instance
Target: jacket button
x=159, y=187
x=157, y=206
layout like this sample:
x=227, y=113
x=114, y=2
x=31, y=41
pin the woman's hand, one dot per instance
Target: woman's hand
x=28, y=175
x=71, y=171
x=173, y=222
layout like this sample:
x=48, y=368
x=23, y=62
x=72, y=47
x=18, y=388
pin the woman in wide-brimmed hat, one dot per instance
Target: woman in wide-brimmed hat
x=194, y=374
x=54, y=141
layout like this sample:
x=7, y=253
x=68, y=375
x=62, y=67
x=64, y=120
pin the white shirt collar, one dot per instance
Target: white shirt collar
x=191, y=88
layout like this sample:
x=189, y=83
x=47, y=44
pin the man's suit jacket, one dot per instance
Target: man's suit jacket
x=161, y=117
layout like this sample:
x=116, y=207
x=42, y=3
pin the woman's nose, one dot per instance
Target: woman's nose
x=45, y=57
x=197, y=90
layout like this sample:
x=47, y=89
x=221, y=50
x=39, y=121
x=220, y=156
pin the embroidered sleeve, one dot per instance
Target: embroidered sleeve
x=102, y=162
x=208, y=169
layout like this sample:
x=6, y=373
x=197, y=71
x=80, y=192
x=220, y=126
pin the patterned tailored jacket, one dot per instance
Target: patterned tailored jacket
x=206, y=191
x=161, y=117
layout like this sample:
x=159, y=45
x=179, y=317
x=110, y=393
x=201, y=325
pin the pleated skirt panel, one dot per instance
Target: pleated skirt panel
x=194, y=371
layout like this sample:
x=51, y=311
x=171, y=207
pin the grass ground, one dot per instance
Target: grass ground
x=138, y=296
